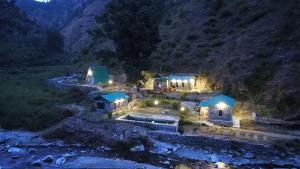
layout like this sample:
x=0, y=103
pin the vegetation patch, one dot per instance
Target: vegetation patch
x=28, y=102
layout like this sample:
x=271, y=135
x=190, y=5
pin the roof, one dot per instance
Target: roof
x=114, y=96
x=100, y=74
x=177, y=77
x=218, y=99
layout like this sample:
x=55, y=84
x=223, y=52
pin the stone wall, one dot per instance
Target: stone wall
x=225, y=119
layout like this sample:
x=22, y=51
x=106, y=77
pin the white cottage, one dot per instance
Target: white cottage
x=112, y=102
x=218, y=110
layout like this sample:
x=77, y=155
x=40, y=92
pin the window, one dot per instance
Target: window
x=100, y=105
x=220, y=112
x=182, y=84
x=115, y=105
x=177, y=84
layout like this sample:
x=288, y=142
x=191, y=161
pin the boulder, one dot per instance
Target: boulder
x=60, y=161
x=15, y=150
x=69, y=155
x=37, y=163
x=166, y=162
x=48, y=159
x=32, y=150
x=138, y=148
x=248, y=155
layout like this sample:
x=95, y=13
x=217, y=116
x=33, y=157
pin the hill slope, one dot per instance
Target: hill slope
x=22, y=41
x=55, y=14
x=76, y=32
x=248, y=48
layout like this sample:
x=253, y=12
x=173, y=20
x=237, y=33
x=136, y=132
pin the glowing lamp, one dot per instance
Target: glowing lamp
x=221, y=164
x=156, y=102
x=192, y=80
x=179, y=81
x=110, y=82
x=173, y=81
x=90, y=72
x=185, y=81
x=221, y=105
x=182, y=108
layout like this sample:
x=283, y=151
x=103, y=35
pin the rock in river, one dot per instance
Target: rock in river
x=15, y=150
x=48, y=159
x=60, y=161
x=37, y=163
x=248, y=155
x=138, y=148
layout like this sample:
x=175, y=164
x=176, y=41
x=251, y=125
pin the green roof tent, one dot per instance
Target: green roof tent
x=218, y=99
x=114, y=96
x=97, y=74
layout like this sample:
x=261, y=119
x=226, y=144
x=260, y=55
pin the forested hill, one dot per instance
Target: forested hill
x=23, y=42
x=72, y=18
x=54, y=14
x=251, y=48
x=247, y=48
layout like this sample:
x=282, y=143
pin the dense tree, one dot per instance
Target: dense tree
x=133, y=25
x=55, y=40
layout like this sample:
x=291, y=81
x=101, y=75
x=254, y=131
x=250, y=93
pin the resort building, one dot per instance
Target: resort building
x=98, y=75
x=217, y=110
x=112, y=102
x=179, y=82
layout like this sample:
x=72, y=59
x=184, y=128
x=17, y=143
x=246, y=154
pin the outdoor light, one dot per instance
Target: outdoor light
x=185, y=81
x=221, y=105
x=90, y=73
x=173, y=81
x=192, y=80
x=156, y=102
x=182, y=108
x=179, y=81
x=220, y=164
x=110, y=82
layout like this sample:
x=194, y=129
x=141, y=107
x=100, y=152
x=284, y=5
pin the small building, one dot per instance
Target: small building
x=112, y=102
x=97, y=75
x=217, y=110
x=178, y=82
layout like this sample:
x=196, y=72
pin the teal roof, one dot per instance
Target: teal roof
x=179, y=77
x=112, y=97
x=217, y=99
x=100, y=74
x=204, y=104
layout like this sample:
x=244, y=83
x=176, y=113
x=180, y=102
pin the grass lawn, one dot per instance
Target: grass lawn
x=27, y=101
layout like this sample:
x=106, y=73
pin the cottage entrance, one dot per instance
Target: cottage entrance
x=203, y=113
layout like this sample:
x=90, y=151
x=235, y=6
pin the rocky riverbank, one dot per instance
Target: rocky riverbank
x=79, y=143
x=131, y=139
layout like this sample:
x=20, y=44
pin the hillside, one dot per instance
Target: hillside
x=55, y=14
x=23, y=42
x=248, y=48
x=73, y=18
x=76, y=31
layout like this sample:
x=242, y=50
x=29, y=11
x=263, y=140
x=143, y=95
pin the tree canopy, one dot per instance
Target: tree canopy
x=133, y=25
